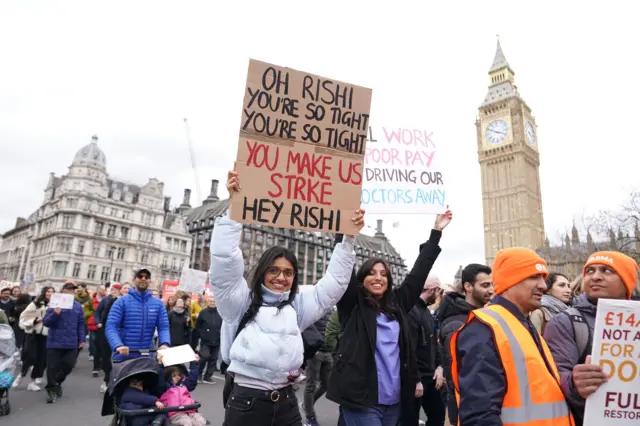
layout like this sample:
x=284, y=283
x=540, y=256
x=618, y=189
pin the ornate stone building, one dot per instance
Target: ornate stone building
x=313, y=249
x=92, y=228
x=509, y=165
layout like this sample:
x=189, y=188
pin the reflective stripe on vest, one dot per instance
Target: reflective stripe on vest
x=528, y=411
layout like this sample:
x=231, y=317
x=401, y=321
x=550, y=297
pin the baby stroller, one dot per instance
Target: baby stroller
x=144, y=368
x=8, y=363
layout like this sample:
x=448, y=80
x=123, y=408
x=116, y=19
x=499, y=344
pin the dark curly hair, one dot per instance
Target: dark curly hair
x=257, y=278
x=385, y=304
x=41, y=299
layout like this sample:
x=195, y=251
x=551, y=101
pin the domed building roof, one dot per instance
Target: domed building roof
x=90, y=154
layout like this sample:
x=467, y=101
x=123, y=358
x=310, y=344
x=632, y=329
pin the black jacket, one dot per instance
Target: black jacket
x=208, y=325
x=354, y=378
x=321, y=326
x=425, y=340
x=452, y=314
x=179, y=328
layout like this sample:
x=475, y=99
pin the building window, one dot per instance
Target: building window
x=101, y=209
x=176, y=245
x=96, y=248
x=59, y=269
x=99, y=228
x=168, y=243
x=165, y=262
x=68, y=221
x=181, y=264
x=72, y=202
x=85, y=223
x=76, y=270
x=81, y=246
x=64, y=244
x=110, y=252
x=117, y=276
x=183, y=246
x=111, y=231
x=144, y=257
x=121, y=253
x=124, y=233
x=104, y=276
x=114, y=211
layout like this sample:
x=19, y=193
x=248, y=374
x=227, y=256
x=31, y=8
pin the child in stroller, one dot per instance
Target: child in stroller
x=127, y=378
x=177, y=391
x=8, y=363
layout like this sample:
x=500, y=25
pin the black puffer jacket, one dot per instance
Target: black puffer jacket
x=452, y=313
x=321, y=326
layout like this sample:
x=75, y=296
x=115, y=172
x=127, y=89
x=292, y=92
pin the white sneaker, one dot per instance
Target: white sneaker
x=39, y=381
x=90, y=357
x=103, y=387
x=33, y=387
x=17, y=381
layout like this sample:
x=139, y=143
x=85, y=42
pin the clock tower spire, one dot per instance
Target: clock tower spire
x=509, y=164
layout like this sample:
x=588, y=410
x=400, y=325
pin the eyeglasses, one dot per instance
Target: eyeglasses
x=143, y=277
x=274, y=271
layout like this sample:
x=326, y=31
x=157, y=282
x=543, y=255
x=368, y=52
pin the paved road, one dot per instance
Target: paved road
x=81, y=403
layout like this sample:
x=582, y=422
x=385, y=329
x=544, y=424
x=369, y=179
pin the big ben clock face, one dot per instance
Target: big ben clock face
x=496, y=131
x=530, y=133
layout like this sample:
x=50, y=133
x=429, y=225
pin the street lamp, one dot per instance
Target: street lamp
x=113, y=253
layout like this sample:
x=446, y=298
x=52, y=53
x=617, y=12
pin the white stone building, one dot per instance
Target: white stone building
x=94, y=229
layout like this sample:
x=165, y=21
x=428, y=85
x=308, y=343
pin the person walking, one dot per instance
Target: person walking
x=208, y=325
x=144, y=314
x=34, y=355
x=476, y=291
x=100, y=318
x=317, y=372
x=66, y=335
x=502, y=369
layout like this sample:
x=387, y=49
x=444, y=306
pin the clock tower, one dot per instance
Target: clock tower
x=509, y=165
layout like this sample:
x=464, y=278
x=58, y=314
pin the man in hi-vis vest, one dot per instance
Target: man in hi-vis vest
x=502, y=369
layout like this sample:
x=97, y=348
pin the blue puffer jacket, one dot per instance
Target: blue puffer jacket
x=66, y=331
x=133, y=320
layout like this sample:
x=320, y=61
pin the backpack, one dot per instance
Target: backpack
x=582, y=332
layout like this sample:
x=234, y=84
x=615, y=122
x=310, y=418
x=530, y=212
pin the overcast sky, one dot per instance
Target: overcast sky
x=130, y=71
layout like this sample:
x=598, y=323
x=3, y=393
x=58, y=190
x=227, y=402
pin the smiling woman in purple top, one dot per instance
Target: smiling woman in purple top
x=375, y=373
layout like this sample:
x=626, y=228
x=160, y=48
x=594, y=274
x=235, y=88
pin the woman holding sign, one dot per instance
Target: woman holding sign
x=262, y=322
x=375, y=377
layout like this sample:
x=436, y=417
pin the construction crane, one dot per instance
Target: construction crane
x=193, y=160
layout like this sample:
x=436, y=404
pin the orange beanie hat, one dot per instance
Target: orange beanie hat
x=623, y=265
x=514, y=265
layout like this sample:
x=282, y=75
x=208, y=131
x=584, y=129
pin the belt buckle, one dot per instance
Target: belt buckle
x=274, y=396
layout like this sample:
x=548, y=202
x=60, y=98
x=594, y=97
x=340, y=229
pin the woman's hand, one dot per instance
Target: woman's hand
x=358, y=220
x=442, y=220
x=233, y=182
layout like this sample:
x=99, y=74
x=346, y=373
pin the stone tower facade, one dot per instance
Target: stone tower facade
x=509, y=165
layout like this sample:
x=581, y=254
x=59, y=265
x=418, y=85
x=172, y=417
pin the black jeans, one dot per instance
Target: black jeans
x=34, y=354
x=208, y=359
x=255, y=407
x=60, y=362
x=432, y=402
x=105, y=353
x=318, y=370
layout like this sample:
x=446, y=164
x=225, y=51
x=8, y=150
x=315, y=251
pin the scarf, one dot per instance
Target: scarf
x=178, y=310
x=552, y=306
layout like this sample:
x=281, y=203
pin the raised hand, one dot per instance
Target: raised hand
x=233, y=182
x=442, y=220
x=358, y=220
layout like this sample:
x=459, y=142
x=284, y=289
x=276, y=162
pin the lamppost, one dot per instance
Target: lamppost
x=113, y=253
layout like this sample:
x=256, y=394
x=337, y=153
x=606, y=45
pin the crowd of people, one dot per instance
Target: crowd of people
x=382, y=351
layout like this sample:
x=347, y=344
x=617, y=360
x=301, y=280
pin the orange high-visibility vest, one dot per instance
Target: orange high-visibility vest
x=533, y=396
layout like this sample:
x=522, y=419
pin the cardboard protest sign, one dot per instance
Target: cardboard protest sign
x=616, y=348
x=301, y=150
x=403, y=173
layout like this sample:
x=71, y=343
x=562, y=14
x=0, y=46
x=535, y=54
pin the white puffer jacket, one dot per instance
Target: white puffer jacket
x=269, y=348
x=28, y=317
